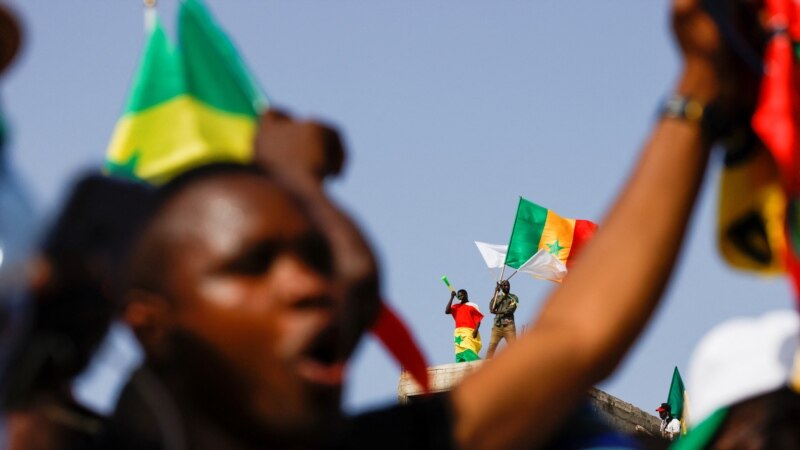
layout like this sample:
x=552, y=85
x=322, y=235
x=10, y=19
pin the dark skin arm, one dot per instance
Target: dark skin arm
x=475, y=333
x=587, y=324
x=493, y=303
x=447, y=309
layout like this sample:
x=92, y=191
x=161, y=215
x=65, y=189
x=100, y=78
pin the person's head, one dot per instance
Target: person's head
x=232, y=282
x=664, y=410
x=768, y=421
x=462, y=295
x=738, y=378
x=302, y=154
x=10, y=37
x=74, y=293
x=505, y=286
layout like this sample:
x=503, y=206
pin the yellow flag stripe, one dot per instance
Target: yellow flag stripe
x=467, y=342
x=557, y=235
x=180, y=134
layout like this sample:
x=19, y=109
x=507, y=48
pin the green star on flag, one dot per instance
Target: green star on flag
x=555, y=247
x=459, y=339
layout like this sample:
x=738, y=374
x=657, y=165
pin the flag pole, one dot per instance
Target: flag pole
x=512, y=275
x=494, y=299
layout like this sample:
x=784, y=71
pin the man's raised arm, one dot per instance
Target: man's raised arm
x=589, y=322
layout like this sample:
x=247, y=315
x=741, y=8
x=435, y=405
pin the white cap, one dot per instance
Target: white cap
x=741, y=358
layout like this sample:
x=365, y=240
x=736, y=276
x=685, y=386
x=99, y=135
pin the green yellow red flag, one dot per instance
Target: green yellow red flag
x=537, y=228
x=467, y=348
x=189, y=105
x=751, y=212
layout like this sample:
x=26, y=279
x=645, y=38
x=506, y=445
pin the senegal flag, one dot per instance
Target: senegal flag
x=537, y=228
x=189, y=105
x=467, y=347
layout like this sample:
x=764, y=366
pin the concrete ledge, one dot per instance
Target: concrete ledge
x=620, y=414
x=442, y=378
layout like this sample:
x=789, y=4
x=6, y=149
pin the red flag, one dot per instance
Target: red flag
x=777, y=118
x=394, y=335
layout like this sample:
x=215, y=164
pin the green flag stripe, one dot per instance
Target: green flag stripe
x=466, y=356
x=701, y=436
x=526, y=234
x=215, y=73
x=159, y=76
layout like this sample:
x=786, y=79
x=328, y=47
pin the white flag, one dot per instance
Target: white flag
x=544, y=265
x=493, y=254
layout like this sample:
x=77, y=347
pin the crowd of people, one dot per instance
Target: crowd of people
x=249, y=288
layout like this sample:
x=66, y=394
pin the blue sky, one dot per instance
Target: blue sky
x=450, y=110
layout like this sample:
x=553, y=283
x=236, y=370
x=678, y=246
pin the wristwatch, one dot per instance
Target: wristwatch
x=689, y=109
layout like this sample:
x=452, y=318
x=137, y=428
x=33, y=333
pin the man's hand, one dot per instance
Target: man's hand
x=305, y=149
x=452, y=295
x=475, y=333
x=712, y=71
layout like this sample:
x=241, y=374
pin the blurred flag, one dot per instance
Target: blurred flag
x=777, y=117
x=493, y=254
x=188, y=106
x=751, y=211
x=537, y=228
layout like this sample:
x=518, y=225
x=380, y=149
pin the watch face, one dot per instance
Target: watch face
x=10, y=36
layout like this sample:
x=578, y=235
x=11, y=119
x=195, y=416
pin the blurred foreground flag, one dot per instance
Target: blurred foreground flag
x=538, y=228
x=189, y=105
x=751, y=211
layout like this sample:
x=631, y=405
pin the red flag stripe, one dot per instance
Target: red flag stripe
x=584, y=230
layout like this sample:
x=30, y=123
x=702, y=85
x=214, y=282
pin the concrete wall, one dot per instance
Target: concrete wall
x=621, y=415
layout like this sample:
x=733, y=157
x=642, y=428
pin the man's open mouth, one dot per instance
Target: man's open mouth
x=323, y=362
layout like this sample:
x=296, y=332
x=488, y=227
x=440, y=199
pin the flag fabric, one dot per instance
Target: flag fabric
x=775, y=122
x=467, y=347
x=188, y=106
x=493, y=254
x=537, y=228
x=751, y=210
x=467, y=317
x=675, y=397
x=394, y=335
x=544, y=265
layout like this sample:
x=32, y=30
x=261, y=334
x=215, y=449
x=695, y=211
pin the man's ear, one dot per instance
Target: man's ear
x=149, y=316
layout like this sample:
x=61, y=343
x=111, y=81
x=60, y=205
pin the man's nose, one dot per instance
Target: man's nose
x=303, y=286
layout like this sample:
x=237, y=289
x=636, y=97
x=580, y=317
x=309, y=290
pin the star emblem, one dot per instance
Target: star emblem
x=554, y=248
x=459, y=339
x=125, y=169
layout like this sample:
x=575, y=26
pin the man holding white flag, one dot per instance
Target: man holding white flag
x=503, y=305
